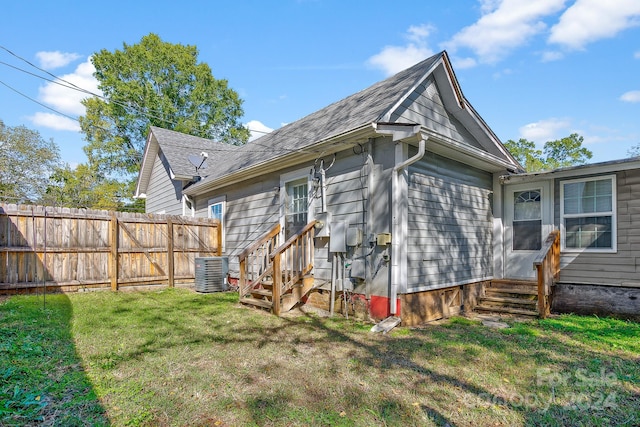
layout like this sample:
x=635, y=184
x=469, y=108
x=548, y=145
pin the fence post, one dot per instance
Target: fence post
x=170, y=260
x=114, y=252
x=219, y=237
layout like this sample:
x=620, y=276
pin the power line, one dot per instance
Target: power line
x=38, y=102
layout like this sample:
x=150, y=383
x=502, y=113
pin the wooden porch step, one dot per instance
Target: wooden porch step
x=506, y=300
x=512, y=290
x=262, y=292
x=510, y=310
x=257, y=302
x=516, y=282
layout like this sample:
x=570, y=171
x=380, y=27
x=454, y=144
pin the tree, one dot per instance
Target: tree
x=526, y=154
x=566, y=152
x=154, y=83
x=560, y=153
x=85, y=187
x=26, y=161
x=634, y=151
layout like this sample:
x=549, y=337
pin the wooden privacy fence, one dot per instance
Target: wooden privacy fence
x=71, y=249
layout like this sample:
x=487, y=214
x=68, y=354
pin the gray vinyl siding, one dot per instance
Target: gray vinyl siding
x=450, y=229
x=251, y=209
x=163, y=193
x=425, y=106
x=347, y=189
x=609, y=268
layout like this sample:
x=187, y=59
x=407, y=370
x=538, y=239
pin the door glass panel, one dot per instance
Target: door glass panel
x=527, y=220
x=297, y=207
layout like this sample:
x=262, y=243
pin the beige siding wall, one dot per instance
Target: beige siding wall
x=618, y=268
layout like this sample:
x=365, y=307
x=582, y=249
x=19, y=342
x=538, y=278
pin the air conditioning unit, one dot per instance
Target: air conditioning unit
x=211, y=274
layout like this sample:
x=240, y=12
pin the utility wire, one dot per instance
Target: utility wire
x=39, y=103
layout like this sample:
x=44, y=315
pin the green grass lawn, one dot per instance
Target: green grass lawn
x=179, y=358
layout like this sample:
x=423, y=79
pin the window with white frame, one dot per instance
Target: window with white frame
x=588, y=214
x=297, y=206
x=216, y=210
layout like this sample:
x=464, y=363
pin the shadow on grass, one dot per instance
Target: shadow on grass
x=315, y=371
x=42, y=381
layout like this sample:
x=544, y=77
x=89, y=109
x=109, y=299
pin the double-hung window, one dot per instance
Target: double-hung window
x=588, y=214
x=216, y=209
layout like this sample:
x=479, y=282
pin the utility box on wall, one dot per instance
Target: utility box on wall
x=338, y=240
x=323, y=224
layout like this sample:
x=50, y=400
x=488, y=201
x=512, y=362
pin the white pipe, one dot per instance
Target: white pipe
x=396, y=254
x=323, y=187
x=334, y=272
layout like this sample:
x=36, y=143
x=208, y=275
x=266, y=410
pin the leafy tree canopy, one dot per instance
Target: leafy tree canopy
x=560, y=153
x=86, y=187
x=26, y=161
x=160, y=84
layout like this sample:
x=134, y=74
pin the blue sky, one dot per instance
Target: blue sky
x=539, y=70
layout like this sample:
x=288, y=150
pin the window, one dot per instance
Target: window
x=297, y=206
x=588, y=209
x=527, y=220
x=216, y=210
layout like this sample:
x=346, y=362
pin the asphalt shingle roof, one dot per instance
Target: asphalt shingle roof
x=356, y=110
x=177, y=147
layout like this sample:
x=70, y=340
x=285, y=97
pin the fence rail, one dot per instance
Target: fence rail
x=68, y=248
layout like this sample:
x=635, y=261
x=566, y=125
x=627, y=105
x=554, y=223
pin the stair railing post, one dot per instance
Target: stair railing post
x=277, y=284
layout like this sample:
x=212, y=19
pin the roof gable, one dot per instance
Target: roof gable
x=176, y=147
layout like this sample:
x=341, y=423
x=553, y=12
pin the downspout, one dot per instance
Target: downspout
x=396, y=254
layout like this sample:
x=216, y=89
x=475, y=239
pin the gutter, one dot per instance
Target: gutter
x=398, y=206
x=398, y=236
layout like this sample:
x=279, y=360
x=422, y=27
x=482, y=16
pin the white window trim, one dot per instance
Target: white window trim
x=613, y=214
x=188, y=211
x=221, y=200
x=295, y=176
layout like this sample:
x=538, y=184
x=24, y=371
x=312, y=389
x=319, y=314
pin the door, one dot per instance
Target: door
x=528, y=220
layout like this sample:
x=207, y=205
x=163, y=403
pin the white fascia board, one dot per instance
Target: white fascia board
x=148, y=158
x=386, y=116
x=575, y=171
x=465, y=153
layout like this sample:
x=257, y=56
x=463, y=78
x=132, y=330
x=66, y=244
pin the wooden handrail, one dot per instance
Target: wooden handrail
x=255, y=261
x=266, y=236
x=547, y=266
x=291, y=261
x=293, y=238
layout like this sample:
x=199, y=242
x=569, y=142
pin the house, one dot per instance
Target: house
x=398, y=200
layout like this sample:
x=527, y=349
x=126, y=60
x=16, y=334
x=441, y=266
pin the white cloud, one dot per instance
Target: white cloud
x=393, y=59
x=551, y=55
x=545, y=130
x=504, y=26
x=637, y=55
x=54, y=121
x=68, y=100
x=589, y=20
x=631, y=96
x=257, y=129
x=461, y=63
x=56, y=59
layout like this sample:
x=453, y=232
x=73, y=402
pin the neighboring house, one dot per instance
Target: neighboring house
x=416, y=198
x=167, y=170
